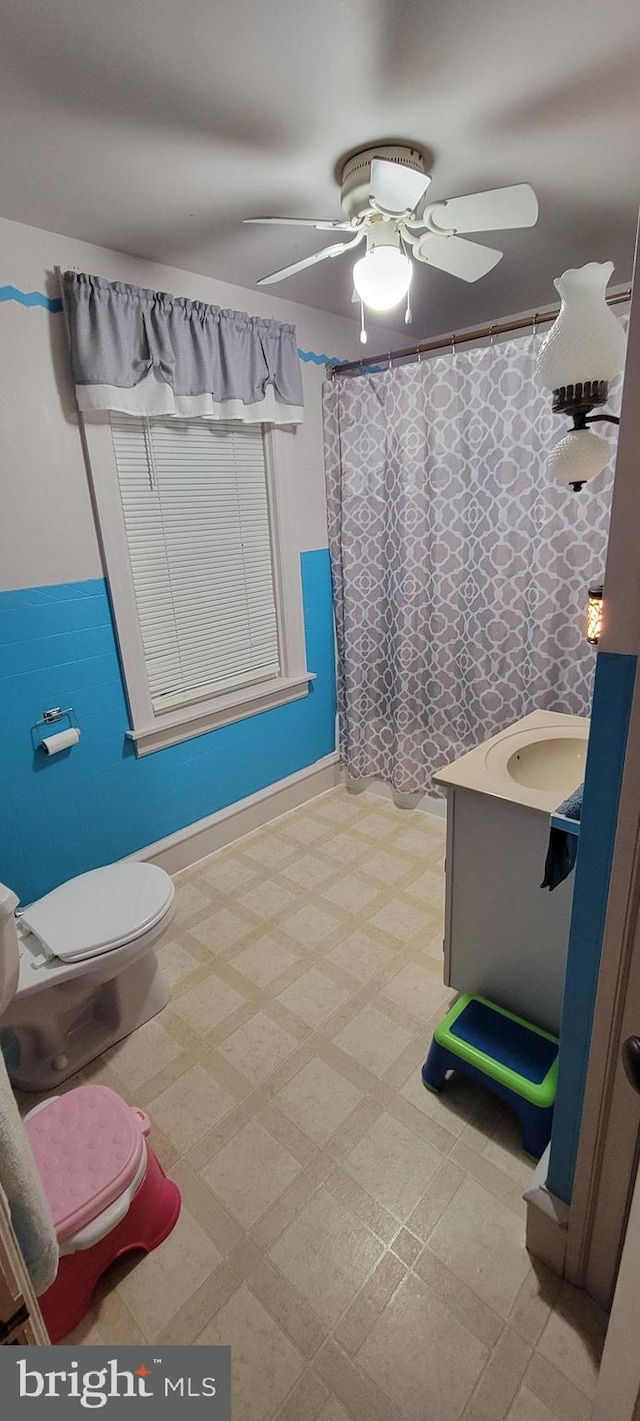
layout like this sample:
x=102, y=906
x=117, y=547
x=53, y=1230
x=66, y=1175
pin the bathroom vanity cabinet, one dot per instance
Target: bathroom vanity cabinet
x=505, y=937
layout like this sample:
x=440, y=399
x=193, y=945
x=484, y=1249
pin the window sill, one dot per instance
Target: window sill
x=187, y=722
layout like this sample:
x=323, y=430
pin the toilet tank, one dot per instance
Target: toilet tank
x=9, y=950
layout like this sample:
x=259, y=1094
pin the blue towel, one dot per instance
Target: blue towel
x=563, y=846
x=571, y=808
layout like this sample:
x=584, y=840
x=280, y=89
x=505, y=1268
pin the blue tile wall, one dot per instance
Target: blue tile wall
x=97, y=802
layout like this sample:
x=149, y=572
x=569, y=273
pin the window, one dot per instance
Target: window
x=194, y=497
x=203, y=574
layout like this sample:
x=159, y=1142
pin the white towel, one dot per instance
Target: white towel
x=21, y=1182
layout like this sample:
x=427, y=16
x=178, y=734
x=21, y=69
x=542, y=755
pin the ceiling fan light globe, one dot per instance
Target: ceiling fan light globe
x=382, y=278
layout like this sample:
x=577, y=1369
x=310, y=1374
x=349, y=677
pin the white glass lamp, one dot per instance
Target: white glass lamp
x=382, y=278
x=583, y=351
x=578, y=457
x=586, y=343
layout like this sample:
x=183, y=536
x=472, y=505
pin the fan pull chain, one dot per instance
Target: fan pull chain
x=363, y=333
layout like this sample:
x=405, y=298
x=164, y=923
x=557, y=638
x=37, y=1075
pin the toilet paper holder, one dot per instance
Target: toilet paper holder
x=53, y=716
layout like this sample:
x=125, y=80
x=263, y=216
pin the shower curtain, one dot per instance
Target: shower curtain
x=460, y=572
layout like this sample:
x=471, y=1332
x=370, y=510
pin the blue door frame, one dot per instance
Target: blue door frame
x=610, y=716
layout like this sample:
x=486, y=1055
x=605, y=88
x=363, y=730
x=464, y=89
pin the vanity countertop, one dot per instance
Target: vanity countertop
x=535, y=763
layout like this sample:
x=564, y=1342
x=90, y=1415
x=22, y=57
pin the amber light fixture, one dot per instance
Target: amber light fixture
x=594, y=614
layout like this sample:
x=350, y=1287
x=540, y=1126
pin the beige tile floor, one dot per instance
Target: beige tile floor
x=358, y=1241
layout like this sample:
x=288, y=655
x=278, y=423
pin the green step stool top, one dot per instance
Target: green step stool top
x=513, y=1058
x=519, y=1056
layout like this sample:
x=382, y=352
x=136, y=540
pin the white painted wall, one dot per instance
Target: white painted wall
x=47, y=530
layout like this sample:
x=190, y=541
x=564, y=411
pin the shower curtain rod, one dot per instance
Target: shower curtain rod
x=410, y=352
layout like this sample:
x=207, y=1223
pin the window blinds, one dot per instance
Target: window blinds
x=194, y=497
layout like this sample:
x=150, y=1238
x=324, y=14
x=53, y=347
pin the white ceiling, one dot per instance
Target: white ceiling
x=154, y=126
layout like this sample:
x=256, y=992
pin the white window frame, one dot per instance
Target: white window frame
x=152, y=730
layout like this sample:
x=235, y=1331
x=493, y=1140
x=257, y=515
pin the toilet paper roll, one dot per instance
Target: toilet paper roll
x=53, y=744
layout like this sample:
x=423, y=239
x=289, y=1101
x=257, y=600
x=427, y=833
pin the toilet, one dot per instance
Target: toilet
x=82, y=967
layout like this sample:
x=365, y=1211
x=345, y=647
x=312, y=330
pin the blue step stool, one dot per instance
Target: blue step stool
x=512, y=1058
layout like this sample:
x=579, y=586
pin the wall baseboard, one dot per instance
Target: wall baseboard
x=196, y=841
x=547, y=1219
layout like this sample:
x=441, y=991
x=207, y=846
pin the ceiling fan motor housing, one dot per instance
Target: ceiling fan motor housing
x=356, y=174
x=382, y=233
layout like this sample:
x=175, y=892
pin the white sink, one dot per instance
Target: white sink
x=537, y=762
x=553, y=763
x=545, y=760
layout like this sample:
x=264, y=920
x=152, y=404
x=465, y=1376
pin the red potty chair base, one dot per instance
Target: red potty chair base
x=152, y=1214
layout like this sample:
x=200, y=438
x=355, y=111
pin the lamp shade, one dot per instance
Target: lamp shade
x=586, y=341
x=383, y=277
x=578, y=457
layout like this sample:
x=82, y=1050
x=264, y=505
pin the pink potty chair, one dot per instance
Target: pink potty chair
x=107, y=1192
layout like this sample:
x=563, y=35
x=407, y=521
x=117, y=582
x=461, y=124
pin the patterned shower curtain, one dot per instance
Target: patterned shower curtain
x=460, y=572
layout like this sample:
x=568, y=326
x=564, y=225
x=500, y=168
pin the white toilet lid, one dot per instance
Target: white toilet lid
x=100, y=910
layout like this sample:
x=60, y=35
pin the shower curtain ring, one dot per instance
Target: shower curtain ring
x=534, y=324
x=453, y=345
x=419, y=353
x=388, y=360
x=492, y=336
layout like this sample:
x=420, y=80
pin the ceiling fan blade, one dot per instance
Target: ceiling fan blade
x=493, y=211
x=395, y=188
x=468, y=260
x=321, y=224
x=335, y=250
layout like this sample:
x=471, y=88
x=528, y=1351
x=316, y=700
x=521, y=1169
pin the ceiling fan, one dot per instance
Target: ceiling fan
x=382, y=195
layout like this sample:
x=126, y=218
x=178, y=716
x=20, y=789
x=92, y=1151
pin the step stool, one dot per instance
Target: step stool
x=107, y=1193
x=512, y=1058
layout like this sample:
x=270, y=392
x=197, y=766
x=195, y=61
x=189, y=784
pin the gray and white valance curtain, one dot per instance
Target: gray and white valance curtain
x=144, y=352
x=460, y=572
